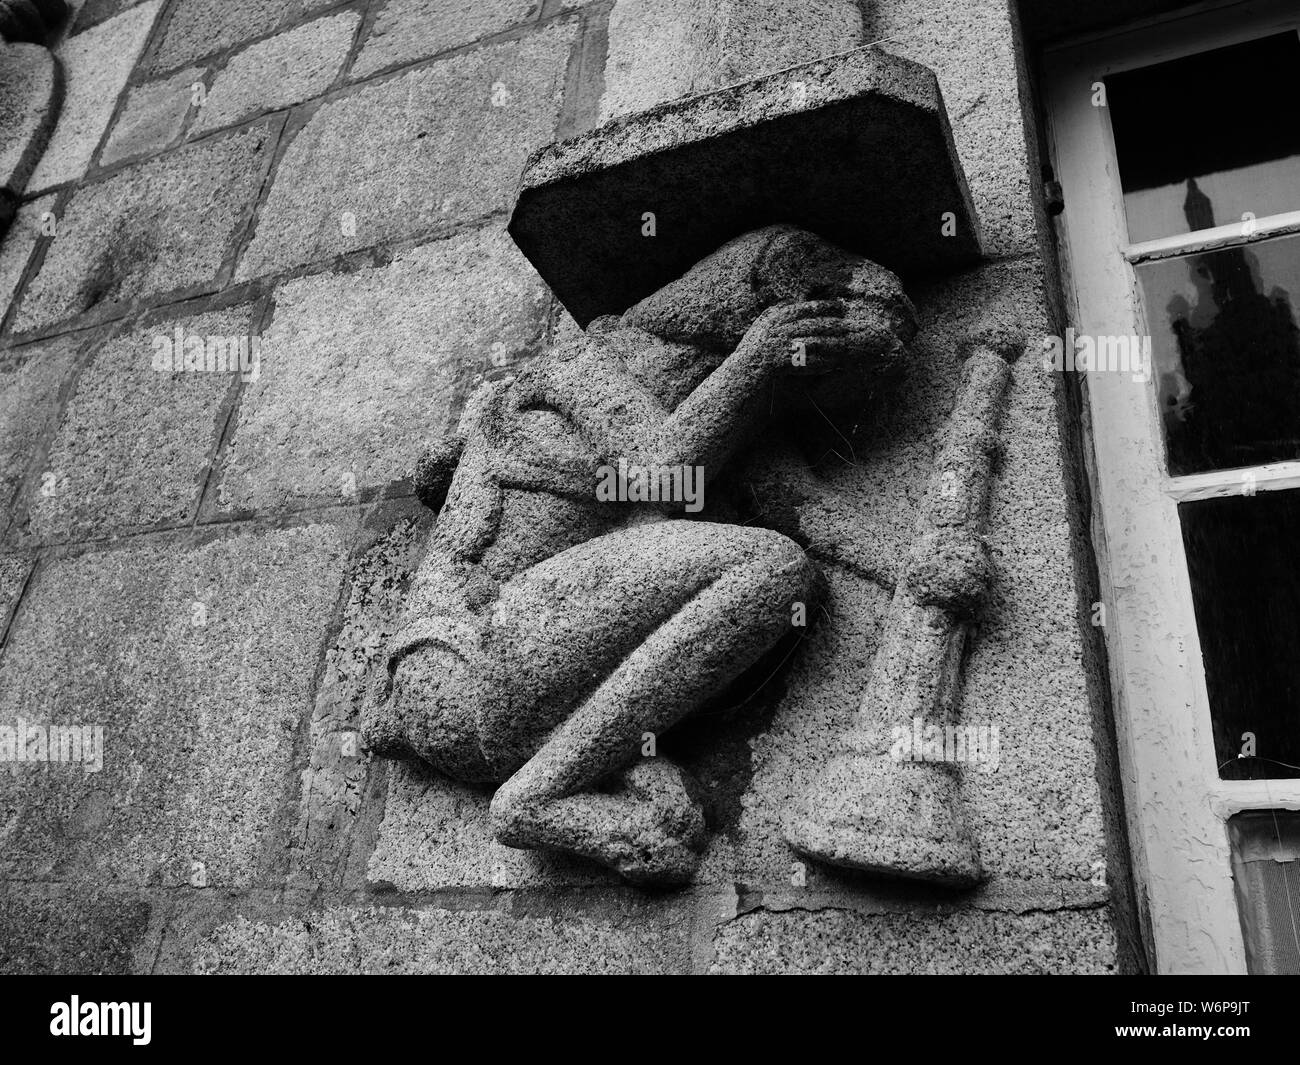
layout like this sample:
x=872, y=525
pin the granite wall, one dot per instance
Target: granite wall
x=207, y=564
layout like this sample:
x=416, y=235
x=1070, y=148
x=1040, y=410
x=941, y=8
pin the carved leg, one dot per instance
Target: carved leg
x=648, y=828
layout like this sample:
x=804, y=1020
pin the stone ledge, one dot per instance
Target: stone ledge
x=856, y=147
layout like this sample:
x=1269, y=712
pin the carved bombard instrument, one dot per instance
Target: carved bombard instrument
x=871, y=809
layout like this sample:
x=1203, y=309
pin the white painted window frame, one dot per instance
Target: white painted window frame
x=1176, y=802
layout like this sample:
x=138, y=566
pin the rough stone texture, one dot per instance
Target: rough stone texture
x=436, y=834
x=337, y=782
x=970, y=46
x=409, y=941
x=93, y=12
x=538, y=603
x=196, y=28
x=197, y=661
x=135, y=443
x=158, y=227
x=279, y=72
x=715, y=166
x=663, y=49
x=407, y=30
x=18, y=244
x=358, y=369
x=399, y=157
x=54, y=931
x=13, y=575
x=96, y=65
x=872, y=810
x=153, y=117
x=1037, y=818
x=30, y=87
x=30, y=393
x=845, y=942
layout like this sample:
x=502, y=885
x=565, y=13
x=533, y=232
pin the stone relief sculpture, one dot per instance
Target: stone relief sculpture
x=579, y=596
x=548, y=631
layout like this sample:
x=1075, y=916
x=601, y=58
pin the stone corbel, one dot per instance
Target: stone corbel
x=708, y=248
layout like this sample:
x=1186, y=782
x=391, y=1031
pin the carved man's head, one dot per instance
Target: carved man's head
x=716, y=301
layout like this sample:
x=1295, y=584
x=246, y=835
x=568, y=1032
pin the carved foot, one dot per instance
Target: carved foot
x=647, y=828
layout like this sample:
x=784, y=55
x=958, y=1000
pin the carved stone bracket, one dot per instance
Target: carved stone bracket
x=737, y=262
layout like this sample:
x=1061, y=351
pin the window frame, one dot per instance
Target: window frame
x=1177, y=806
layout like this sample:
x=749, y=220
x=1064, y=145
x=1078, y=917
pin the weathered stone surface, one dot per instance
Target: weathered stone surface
x=388, y=344
x=407, y=30
x=52, y=931
x=1037, y=815
x=283, y=70
x=93, y=12
x=96, y=65
x=451, y=942
x=31, y=89
x=164, y=225
x=663, y=49
x=153, y=117
x=554, y=632
x=395, y=159
x=13, y=575
x=30, y=394
x=715, y=166
x=336, y=782
x=197, y=28
x=197, y=662
x=976, y=942
x=17, y=246
x=436, y=834
x=136, y=442
x=972, y=49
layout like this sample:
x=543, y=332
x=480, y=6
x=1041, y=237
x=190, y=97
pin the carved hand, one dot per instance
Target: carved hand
x=815, y=337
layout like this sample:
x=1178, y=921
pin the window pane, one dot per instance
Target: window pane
x=1242, y=561
x=1226, y=354
x=1266, y=873
x=1203, y=140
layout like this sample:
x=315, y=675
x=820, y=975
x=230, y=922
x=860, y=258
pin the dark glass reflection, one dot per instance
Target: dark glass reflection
x=1241, y=558
x=1225, y=118
x=1226, y=350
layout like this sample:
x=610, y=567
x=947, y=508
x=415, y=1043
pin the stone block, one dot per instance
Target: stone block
x=407, y=30
x=845, y=942
x=198, y=28
x=96, y=64
x=972, y=50
x=395, y=159
x=14, y=570
x=92, y=12
x=153, y=117
x=337, y=783
x=435, y=834
x=32, y=89
x=196, y=660
x=281, y=71
x=137, y=440
x=660, y=50
x=454, y=942
x=855, y=148
x=359, y=370
x=54, y=931
x=32, y=387
x=27, y=230
x=165, y=226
